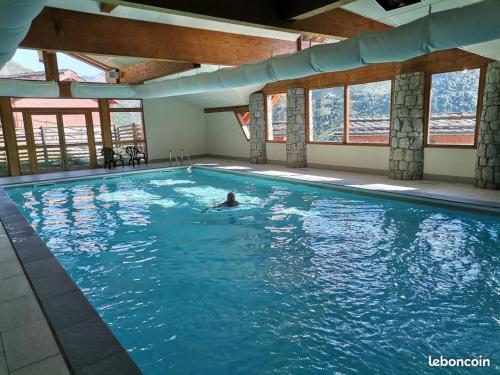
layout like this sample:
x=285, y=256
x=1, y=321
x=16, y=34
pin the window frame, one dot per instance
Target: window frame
x=345, y=140
x=427, y=107
x=266, y=114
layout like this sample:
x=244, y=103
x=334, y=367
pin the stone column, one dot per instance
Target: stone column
x=295, y=128
x=257, y=129
x=487, y=171
x=406, y=160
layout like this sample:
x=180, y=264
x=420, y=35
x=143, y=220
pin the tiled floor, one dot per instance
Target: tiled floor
x=27, y=345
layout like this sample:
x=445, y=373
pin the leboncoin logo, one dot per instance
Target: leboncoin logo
x=459, y=362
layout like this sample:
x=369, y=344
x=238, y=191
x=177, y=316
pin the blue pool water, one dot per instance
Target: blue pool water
x=297, y=280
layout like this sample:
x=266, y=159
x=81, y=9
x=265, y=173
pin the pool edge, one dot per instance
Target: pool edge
x=86, y=343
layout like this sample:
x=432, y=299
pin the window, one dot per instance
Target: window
x=4, y=168
x=72, y=69
x=127, y=127
x=369, y=113
x=25, y=64
x=276, y=117
x=326, y=111
x=125, y=103
x=453, y=106
x=244, y=121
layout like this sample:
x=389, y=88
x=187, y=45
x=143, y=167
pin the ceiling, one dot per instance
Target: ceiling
x=367, y=8
x=91, y=6
x=396, y=17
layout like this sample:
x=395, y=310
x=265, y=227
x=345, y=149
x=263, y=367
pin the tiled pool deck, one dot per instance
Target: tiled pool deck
x=48, y=327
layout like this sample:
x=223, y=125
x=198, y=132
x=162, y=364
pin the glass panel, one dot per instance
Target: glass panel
x=53, y=103
x=22, y=145
x=276, y=117
x=47, y=146
x=244, y=121
x=326, y=111
x=96, y=121
x=25, y=64
x=453, y=108
x=127, y=129
x=4, y=168
x=125, y=103
x=74, y=70
x=76, y=141
x=369, y=112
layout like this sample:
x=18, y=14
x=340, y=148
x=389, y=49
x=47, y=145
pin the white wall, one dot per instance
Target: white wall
x=224, y=135
x=174, y=123
x=369, y=157
x=450, y=161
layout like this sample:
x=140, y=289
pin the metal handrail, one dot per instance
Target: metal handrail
x=185, y=153
x=175, y=156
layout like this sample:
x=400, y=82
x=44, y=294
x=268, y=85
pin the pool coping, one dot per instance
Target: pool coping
x=85, y=341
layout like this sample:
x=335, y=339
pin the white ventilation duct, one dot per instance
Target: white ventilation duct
x=15, y=21
x=28, y=89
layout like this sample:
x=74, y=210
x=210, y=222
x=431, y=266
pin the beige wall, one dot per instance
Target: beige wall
x=224, y=135
x=174, y=123
x=457, y=162
x=371, y=157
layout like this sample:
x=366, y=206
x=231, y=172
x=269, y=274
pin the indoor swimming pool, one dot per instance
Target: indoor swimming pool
x=296, y=280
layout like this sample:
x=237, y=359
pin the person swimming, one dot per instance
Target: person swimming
x=229, y=202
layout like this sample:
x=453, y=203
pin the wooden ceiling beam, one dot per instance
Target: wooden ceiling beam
x=151, y=69
x=332, y=22
x=50, y=65
x=237, y=108
x=70, y=31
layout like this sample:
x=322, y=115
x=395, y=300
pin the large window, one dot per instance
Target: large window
x=127, y=126
x=243, y=118
x=367, y=107
x=26, y=64
x=453, y=107
x=73, y=69
x=276, y=117
x=369, y=113
x=326, y=109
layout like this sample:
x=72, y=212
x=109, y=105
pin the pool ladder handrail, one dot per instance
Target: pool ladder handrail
x=184, y=154
x=172, y=152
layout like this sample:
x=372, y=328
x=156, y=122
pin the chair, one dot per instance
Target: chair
x=110, y=156
x=135, y=154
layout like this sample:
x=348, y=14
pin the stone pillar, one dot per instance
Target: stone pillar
x=406, y=160
x=487, y=171
x=257, y=129
x=295, y=128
